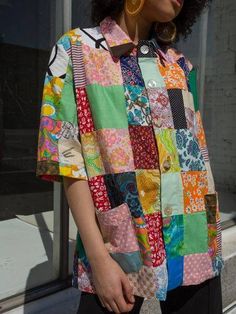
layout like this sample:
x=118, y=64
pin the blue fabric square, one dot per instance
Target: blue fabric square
x=175, y=272
x=130, y=71
x=182, y=63
x=122, y=188
x=190, y=156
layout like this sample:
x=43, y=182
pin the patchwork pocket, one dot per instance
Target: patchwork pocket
x=119, y=236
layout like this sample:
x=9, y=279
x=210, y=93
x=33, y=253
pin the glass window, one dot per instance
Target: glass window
x=29, y=248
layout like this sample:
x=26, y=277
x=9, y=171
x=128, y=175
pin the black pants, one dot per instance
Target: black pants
x=198, y=299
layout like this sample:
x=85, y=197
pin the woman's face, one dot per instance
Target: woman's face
x=161, y=10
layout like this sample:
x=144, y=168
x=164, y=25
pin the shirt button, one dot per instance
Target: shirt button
x=152, y=83
x=144, y=49
x=168, y=211
x=166, y=164
x=158, y=123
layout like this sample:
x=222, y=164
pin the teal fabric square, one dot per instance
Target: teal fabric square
x=172, y=200
x=151, y=73
x=137, y=104
x=195, y=233
x=129, y=262
x=173, y=232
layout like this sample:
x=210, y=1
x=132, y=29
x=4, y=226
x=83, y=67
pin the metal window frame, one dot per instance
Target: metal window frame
x=60, y=23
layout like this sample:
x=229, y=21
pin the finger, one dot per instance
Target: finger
x=122, y=304
x=114, y=306
x=128, y=289
x=101, y=301
x=107, y=305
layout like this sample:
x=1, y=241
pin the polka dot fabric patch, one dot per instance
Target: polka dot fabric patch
x=197, y=268
x=118, y=230
x=177, y=108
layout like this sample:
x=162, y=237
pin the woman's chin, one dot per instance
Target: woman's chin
x=164, y=18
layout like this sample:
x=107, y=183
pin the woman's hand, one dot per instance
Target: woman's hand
x=112, y=285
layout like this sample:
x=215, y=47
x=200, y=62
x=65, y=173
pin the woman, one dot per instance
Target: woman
x=121, y=128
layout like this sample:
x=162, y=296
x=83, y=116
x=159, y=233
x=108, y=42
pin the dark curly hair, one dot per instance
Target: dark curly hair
x=191, y=10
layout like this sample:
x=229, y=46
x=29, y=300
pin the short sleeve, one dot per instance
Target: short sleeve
x=59, y=148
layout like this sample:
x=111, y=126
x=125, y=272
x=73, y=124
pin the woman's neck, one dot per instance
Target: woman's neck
x=136, y=28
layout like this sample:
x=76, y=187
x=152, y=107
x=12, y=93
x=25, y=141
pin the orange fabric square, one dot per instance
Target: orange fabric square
x=195, y=187
x=174, y=76
x=200, y=131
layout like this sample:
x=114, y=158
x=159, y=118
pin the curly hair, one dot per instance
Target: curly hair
x=191, y=10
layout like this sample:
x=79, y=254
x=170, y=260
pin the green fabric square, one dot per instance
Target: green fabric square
x=151, y=74
x=108, y=106
x=172, y=200
x=193, y=86
x=66, y=110
x=195, y=233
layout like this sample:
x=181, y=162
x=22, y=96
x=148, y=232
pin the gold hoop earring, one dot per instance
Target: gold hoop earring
x=166, y=32
x=134, y=7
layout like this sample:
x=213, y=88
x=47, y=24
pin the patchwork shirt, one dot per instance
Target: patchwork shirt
x=126, y=118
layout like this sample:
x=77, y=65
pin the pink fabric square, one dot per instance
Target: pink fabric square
x=118, y=230
x=115, y=149
x=101, y=68
x=197, y=268
x=160, y=108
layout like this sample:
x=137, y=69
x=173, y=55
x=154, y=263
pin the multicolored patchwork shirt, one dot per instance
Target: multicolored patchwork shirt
x=125, y=118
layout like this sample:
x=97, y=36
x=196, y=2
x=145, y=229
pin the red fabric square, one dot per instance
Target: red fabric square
x=85, y=120
x=144, y=147
x=154, y=226
x=99, y=193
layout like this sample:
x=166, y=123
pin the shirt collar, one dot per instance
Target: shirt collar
x=120, y=43
x=117, y=40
